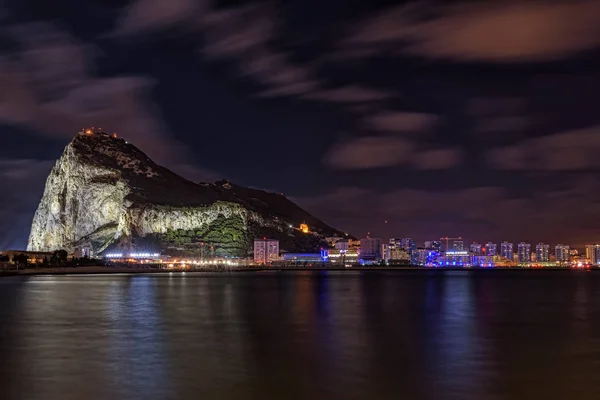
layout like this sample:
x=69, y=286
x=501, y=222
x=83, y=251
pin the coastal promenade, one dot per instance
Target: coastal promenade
x=151, y=270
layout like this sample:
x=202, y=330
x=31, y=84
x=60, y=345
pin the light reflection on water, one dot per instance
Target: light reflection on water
x=336, y=335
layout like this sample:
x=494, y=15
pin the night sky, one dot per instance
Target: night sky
x=478, y=119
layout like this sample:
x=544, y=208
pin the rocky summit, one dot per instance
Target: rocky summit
x=105, y=194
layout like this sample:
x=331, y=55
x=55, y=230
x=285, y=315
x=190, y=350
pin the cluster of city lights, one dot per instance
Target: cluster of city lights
x=114, y=255
x=196, y=262
x=132, y=255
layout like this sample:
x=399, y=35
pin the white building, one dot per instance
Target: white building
x=562, y=253
x=592, y=253
x=266, y=250
x=491, y=249
x=506, y=250
x=524, y=253
x=475, y=248
x=542, y=252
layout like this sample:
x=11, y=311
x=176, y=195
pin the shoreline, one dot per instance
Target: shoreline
x=103, y=270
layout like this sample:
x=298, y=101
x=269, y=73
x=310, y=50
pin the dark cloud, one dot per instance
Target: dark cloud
x=401, y=121
x=565, y=151
x=438, y=159
x=505, y=31
x=369, y=152
x=56, y=97
x=482, y=214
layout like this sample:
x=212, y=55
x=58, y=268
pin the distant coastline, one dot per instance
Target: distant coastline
x=107, y=270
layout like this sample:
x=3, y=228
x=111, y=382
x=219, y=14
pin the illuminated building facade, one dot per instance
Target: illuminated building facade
x=506, y=250
x=411, y=247
x=304, y=228
x=475, y=248
x=458, y=245
x=562, y=253
x=427, y=257
x=542, y=253
x=491, y=249
x=266, y=250
x=592, y=253
x=455, y=258
x=483, y=261
x=396, y=255
x=524, y=253
x=306, y=257
x=370, y=250
x=336, y=256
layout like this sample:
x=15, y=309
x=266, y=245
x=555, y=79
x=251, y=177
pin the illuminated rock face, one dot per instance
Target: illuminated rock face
x=105, y=193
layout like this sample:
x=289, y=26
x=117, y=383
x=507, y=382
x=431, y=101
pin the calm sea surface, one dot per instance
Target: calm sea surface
x=302, y=335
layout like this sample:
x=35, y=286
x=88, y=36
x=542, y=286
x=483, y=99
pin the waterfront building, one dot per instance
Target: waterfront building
x=592, y=253
x=306, y=257
x=482, y=261
x=410, y=246
x=542, y=253
x=427, y=257
x=475, y=248
x=370, y=249
x=491, y=249
x=455, y=258
x=266, y=250
x=433, y=245
x=524, y=253
x=562, y=253
x=506, y=250
x=395, y=255
x=342, y=257
x=385, y=252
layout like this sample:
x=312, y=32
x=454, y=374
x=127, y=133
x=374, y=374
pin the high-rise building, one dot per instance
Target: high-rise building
x=542, y=252
x=524, y=252
x=491, y=249
x=562, y=253
x=475, y=248
x=592, y=253
x=398, y=255
x=411, y=247
x=266, y=250
x=458, y=245
x=433, y=245
x=370, y=249
x=506, y=250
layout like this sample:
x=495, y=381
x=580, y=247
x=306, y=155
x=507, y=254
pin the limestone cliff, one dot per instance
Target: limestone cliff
x=105, y=193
